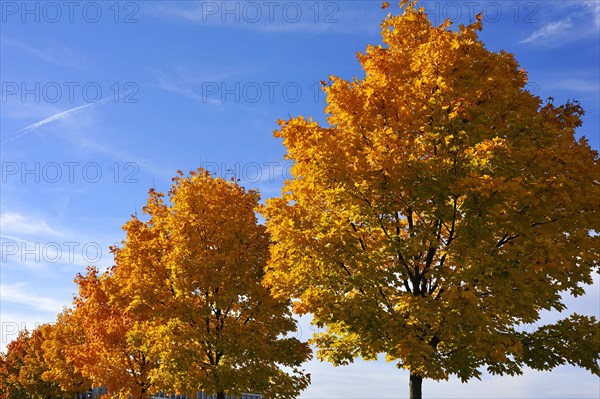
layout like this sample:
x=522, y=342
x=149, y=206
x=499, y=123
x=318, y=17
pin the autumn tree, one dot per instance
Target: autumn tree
x=440, y=210
x=34, y=366
x=195, y=268
x=61, y=342
x=11, y=363
x=22, y=367
x=109, y=350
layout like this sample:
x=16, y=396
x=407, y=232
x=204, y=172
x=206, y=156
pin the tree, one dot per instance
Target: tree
x=110, y=351
x=195, y=270
x=10, y=366
x=442, y=208
x=61, y=341
x=34, y=367
x=22, y=367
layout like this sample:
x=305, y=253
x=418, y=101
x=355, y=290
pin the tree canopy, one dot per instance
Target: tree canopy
x=193, y=272
x=441, y=209
x=184, y=309
x=23, y=368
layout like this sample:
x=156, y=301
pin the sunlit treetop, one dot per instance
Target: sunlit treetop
x=442, y=207
x=194, y=271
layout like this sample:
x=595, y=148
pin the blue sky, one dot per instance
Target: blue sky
x=103, y=100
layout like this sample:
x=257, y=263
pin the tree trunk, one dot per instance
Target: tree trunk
x=221, y=395
x=415, y=385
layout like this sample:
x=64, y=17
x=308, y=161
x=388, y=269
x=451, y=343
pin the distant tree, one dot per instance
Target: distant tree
x=22, y=366
x=111, y=350
x=194, y=270
x=443, y=207
x=61, y=342
x=11, y=363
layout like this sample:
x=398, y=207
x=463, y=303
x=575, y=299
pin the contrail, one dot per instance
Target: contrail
x=60, y=115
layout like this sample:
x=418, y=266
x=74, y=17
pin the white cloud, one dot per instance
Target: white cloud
x=53, y=52
x=205, y=88
x=46, y=247
x=13, y=223
x=573, y=20
x=193, y=83
x=43, y=255
x=28, y=110
x=167, y=85
x=551, y=29
x=59, y=116
x=579, y=85
x=24, y=294
x=594, y=7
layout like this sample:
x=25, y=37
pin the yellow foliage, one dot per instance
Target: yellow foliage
x=191, y=277
x=441, y=205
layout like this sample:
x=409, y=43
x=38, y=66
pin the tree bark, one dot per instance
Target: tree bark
x=221, y=395
x=415, y=385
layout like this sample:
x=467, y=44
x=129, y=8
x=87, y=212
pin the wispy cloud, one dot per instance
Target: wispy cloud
x=59, y=116
x=82, y=140
x=202, y=86
x=577, y=82
x=47, y=256
x=551, y=29
x=53, y=52
x=17, y=224
x=567, y=21
x=174, y=87
x=191, y=83
x=146, y=165
x=578, y=85
x=28, y=111
x=332, y=17
x=23, y=294
x=594, y=7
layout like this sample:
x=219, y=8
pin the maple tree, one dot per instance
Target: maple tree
x=440, y=211
x=22, y=367
x=110, y=349
x=35, y=366
x=10, y=365
x=194, y=269
x=57, y=346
